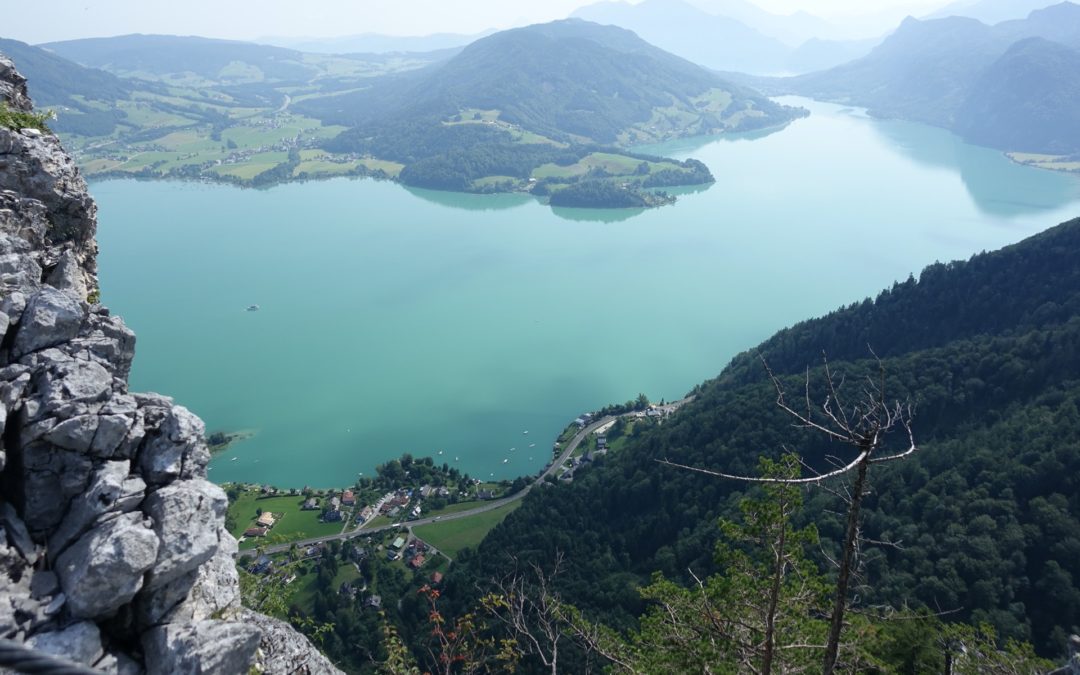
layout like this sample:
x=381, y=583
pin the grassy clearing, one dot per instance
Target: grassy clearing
x=491, y=181
x=453, y=508
x=304, y=593
x=293, y=523
x=454, y=535
x=253, y=165
x=324, y=167
x=475, y=116
x=616, y=165
x=529, y=138
x=391, y=169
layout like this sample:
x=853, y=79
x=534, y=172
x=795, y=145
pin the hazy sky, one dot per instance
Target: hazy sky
x=247, y=19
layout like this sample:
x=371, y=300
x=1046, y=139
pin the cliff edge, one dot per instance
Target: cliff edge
x=113, y=548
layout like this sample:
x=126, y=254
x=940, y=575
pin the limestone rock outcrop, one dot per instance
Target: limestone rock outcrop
x=113, y=549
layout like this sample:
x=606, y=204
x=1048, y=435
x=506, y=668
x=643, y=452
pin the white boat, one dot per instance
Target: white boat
x=253, y=308
x=506, y=461
x=234, y=459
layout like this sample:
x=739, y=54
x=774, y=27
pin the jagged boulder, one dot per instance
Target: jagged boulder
x=186, y=516
x=104, y=569
x=200, y=648
x=80, y=642
x=52, y=318
x=113, y=549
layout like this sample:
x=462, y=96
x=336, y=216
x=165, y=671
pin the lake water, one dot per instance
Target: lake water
x=398, y=320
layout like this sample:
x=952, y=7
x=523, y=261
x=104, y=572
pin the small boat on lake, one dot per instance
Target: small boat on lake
x=253, y=308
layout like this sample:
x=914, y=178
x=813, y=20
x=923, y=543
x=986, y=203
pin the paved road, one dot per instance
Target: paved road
x=483, y=508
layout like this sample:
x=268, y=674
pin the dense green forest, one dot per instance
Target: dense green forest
x=597, y=193
x=970, y=545
x=985, y=515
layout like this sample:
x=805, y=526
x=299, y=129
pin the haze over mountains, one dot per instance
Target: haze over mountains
x=990, y=11
x=985, y=82
x=740, y=38
x=375, y=43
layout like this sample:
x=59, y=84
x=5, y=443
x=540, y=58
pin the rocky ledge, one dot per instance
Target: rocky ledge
x=113, y=549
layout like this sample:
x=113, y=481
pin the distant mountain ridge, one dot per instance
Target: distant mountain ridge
x=725, y=41
x=538, y=95
x=375, y=43
x=166, y=54
x=952, y=72
x=571, y=79
x=991, y=11
x=59, y=83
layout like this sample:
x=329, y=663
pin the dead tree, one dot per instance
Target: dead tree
x=531, y=612
x=863, y=426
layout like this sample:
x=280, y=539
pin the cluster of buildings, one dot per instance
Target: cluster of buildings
x=414, y=551
x=263, y=524
x=405, y=502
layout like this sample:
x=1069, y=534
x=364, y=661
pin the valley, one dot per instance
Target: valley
x=392, y=284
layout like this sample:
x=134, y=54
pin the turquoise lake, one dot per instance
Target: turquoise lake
x=396, y=320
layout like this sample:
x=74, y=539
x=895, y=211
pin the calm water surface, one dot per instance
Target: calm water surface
x=397, y=320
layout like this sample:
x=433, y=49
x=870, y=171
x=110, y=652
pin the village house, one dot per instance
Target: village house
x=436, y=578
x=266, y=520
x=310, y=504
x=348, y=498
x=261, y=566
x=417, y=562
x=255, y=532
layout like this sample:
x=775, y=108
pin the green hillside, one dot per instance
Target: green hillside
x=1027, y=99
x=193, y=108
x=161, y=55
x=546, y=94
x=986, y=515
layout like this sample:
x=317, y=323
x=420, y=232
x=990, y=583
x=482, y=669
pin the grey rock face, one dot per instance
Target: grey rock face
x=13, y=86
x=80, y=642
x=200, y=648
x=104, y=569
x=283, y=650
x=178, y=450
x=52, y=317
x=217, y=588
x=111, y=490
x=109, y=532
x=186, y=518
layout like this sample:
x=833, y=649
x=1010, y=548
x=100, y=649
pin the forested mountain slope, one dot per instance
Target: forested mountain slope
x=993, y=85
x=986, y=514
x=549, y=94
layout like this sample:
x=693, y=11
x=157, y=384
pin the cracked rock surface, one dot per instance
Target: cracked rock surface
x=113, y=547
